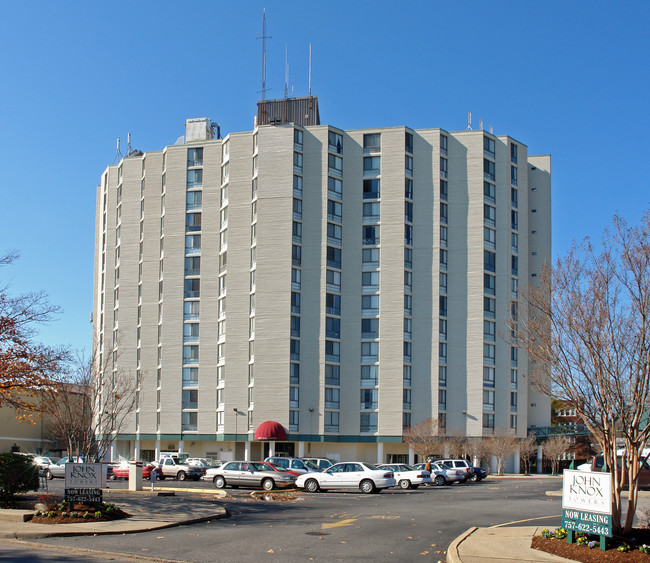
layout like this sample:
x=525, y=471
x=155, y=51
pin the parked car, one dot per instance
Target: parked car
x=202, y=462
x=443, y=474
x=461, y=464
x=348, y=475
x=278, y=468
x=321, y=462
x=249, y=474
x=121, y=470
x=408, y=477
x=478, y=474
x=44, y=462
x=176, y=468
x=293, y=463
x=56, y=469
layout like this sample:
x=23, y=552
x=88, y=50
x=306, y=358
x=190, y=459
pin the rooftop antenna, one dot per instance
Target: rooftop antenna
x=286, y=73
x=118, y=155
x=264, y=38
x=491, y=130
x=469, y=120
x=310, y=70
x=128, y=144
x=480, y=125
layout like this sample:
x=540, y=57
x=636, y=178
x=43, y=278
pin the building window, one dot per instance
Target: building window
x=442, y=328
x=335, y=142
x=513, y=153
x=331, y=421
x=489, y=169
x=295, y=349
x=488, y=421
x=489, y=191
x=332, y=304
x=371, y=165
x=294, y=421
x=408, y=165
x=488, y=400
x=190, y=399
x=442, y=352
x=371, y=189
x=332, y=351
x=195, y=157
x=369, y=376
x=514, y=196
x=442, y=376
x=294, y=373
x=513, y=379
x=408, y=188
x=333, y=327
x=408, y=142
x=442, y=305
x=444, y=213
x=408, y=258
x=295, y=302
x=191, y=310
x=335, y=187
x=444, y=190
x=489, y=330
x=443, y=258
x=192, y=288
x=406, y=399
x=514, y=219
x=296, y=254
x=444, y=143
x=370, y=257
x=193, y=200
x=369, y=328
x=192, y=244
x=408, y=351
x=513, y=402
x=190, y=377
x=408, y=211
x=332, y=398
x=370, y=281
x=513, y=355
x=489, y=306
x=295, y=278
x=368, y=422
x=190, y=332
x=333, y=280
x=489, y=353
x=370, y=235
x=335, y=164
x=442, y=399
x=408, y=235
x=297, y=231
x=370, y=212
x=369, y=399
x=297, y=161
x=488, y=376
x=193, y=222
x=297, y=208
x=189, y=421
x=294, y=397
x=297, y=139
x=332, y=375
x=371, y=142
x=297, y=185
x=369, y=351
x=443, y=167
x=488, y=145
x=489, y=259
x=334, y=210
x=489, y=214
x=370, y=304
x=489, y=284
x=514, y=263
x=194, y=178
x=333, y=257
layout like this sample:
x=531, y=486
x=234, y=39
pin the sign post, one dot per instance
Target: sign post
x=587, y=504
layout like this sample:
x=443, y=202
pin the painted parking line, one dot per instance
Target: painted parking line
x=526, y=520
x=339, y=524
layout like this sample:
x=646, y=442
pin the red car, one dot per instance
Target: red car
x=122, y=471
x=274, y=467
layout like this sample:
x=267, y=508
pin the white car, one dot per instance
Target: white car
x=407, y=477
x=348, y=475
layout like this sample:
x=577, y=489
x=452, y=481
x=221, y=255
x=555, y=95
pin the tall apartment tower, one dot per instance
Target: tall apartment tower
x=325, y=288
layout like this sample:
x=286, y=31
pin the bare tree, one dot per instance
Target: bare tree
x=88, y=407
x=586, y=328
x=554, y=448
x=424, y=438
x=502, y=444
x=527, y=448
x=478, y=449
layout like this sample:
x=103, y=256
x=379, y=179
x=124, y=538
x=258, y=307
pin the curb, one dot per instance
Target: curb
x=452, y=551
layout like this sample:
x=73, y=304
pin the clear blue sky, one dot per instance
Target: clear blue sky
x=566, y=78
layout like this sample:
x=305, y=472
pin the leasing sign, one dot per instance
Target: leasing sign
x=587, y=502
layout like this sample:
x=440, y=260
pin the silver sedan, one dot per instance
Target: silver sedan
x=249, y=474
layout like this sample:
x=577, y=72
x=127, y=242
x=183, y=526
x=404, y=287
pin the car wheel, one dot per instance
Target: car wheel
x=474, y=478
x=367, y=486
x=404, y=484
x=440, y=480
x=312, y=485
x=268, y=484
x=48, y=475
x=181, y=476
x=219, y=482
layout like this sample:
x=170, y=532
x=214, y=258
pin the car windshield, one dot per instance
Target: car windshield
x=408, y=468
x=311, y=465
x=371, y=466
x=258, y=466
x=275, y=467
x=444, y=466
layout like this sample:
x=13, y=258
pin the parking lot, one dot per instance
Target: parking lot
x=345, y=525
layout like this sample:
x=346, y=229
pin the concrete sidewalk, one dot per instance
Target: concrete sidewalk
x=494, y=545
x=148, y=512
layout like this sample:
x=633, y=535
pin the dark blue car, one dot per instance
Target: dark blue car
x=478, y=474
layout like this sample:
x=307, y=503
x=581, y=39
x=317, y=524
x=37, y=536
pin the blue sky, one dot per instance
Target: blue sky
x=566, y=78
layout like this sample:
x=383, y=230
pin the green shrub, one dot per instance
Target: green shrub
x=17, y=475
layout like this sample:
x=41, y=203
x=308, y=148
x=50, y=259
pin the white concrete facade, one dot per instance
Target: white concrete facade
x=341, y=283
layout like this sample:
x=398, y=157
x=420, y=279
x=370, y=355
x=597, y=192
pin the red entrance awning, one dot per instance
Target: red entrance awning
x=271, y=431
